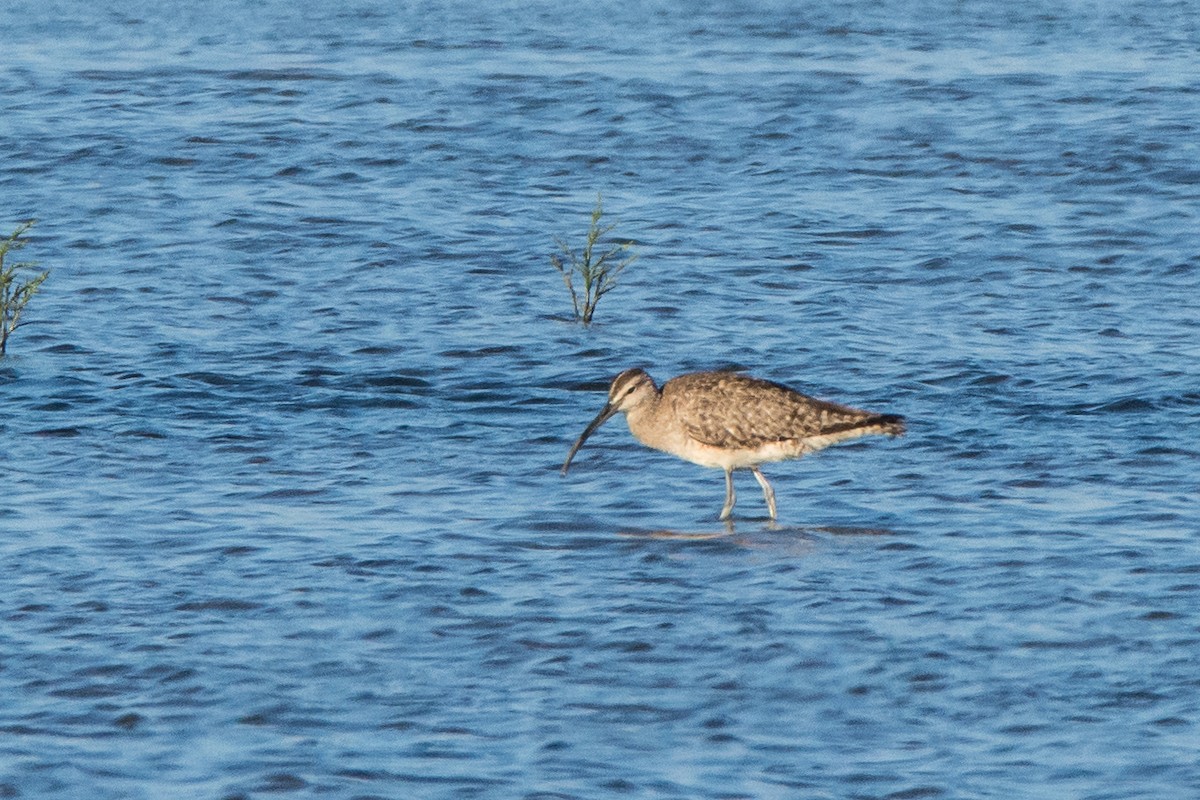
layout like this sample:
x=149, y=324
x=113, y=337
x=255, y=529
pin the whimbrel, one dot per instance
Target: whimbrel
x=731, y=421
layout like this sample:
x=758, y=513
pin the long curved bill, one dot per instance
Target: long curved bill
x=601, y=418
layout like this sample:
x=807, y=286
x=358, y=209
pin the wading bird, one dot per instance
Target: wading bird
x=731, y=421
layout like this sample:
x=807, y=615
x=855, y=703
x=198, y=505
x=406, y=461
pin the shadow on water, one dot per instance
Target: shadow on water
x=790, y=539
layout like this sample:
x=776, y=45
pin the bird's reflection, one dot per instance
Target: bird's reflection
x=761, y=534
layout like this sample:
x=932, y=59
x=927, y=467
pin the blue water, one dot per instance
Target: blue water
x=280, y=500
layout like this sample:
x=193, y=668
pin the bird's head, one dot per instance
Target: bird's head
x=629, y=389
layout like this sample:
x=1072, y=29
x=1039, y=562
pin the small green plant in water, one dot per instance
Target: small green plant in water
x=14, y=292
x=597, y=270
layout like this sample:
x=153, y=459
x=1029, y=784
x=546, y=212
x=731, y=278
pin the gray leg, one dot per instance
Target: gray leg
x=730, y=495
x=768, y=492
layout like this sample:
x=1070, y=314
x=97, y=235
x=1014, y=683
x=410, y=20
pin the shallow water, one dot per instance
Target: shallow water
x=282, y=512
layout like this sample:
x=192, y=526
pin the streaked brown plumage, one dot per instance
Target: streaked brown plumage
x=732, y=421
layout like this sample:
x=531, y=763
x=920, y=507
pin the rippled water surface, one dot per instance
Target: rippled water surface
x=281, y=512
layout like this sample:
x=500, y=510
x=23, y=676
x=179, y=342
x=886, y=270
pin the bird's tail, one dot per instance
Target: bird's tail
x=886, y=424
x=865, y=425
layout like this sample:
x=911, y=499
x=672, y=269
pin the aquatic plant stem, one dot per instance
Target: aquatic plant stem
x=14, y=294
x=598, y=273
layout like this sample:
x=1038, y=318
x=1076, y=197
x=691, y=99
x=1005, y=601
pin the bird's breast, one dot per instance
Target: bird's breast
x=664, y=432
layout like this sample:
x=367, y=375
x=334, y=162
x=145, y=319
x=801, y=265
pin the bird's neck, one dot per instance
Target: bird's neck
x=646, y=422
